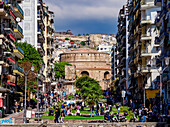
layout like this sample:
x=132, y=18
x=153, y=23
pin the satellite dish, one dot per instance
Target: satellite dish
x=18, y=19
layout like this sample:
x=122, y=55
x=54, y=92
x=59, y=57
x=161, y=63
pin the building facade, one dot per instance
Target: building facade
x=89, y=62
x=10, y=33
x=163, y=40
x=121, y=48
x=39, y=31
x=137, y=48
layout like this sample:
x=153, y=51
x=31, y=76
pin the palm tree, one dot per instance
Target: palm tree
x=89, y=89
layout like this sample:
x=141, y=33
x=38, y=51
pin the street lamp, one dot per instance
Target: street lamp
x=138, y=71
x=26, y=74
x=161, y=72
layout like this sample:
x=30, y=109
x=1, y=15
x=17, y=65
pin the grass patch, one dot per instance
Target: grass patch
x=48, y=117
x=74, y=111
x=84, y=118
x=46, y=112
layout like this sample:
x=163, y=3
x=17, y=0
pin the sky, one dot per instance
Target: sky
x=86, y=16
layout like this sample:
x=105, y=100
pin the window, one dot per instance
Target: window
x=101, y=48
x=27, y=26
x=105, y=48
x=27, y=12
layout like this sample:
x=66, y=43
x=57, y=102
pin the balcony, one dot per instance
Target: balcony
x=40, y=49
x=157, y=2
x=3, y=10
x=145, y=53
x=146, y=21
x=8, y=30
x=163, y=13
x=168, y=6
x=18, y=52
x=163, y=35
x=40, y=20
x=40, y=34
x=146, y=4
x=146, y=69
x=18, y=70
x=18, y=32
x=168, y=27
x=146, y=37
x=157, y=41
x=18, y=11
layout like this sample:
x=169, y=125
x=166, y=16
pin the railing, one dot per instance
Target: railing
x=16, y=67
x=168, y=5
x=146, y=35
x=146, y=1
x=19, y=8
x=157, y=40
x=20, y=49
x=19, y=28
x=156, y=2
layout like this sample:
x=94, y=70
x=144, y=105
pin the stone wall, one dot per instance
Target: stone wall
x=93, y=63
x=91, y=125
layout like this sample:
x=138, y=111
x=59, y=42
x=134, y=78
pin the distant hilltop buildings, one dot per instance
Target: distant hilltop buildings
x=91, y=40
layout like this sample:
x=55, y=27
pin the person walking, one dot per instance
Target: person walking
x=62, y=115
x=93, y=110
x=140, y=114
x=118, y=109
x=57, y=115
x=97, y=109
x=144, y=114
x=102, y=110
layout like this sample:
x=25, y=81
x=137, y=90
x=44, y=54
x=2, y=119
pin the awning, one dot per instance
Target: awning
x=10, y=83
x=10, y=59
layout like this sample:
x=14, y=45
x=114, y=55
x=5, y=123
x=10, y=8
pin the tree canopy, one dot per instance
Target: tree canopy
x=89, y=89
x=83, y=43
x=60, y=69
x=31, y=57
x=66, y=38
x=30, y=54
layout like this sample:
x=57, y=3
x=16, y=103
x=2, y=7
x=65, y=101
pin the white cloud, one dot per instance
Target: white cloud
x=85, y=9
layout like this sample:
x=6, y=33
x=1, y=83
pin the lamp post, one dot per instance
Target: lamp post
x=138, y=71
x=37, y=97
x=161, y=72
x=26, y=74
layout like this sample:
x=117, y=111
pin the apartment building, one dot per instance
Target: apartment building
x=97, y=39
x=121, y=48
x=10, y=31
x=142, y=48
x=38, y=31
x=136, y=48
x=49, y=49
x=163, y=40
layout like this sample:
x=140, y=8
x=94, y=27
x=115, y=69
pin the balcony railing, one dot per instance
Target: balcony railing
x=19, y=8
x=157, y=40
x=20, y=49
x=168, y=5
x=19, y=28
x=16, y=67
x=157, y=2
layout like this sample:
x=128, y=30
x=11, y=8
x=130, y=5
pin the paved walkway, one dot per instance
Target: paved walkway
x=19, y=116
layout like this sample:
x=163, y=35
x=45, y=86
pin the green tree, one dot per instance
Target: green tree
x=31, y=56
x=83, y=43
x=71, y=41
x=60, y=69
x=89, y=89
x=79, y=34
x=67, y=38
